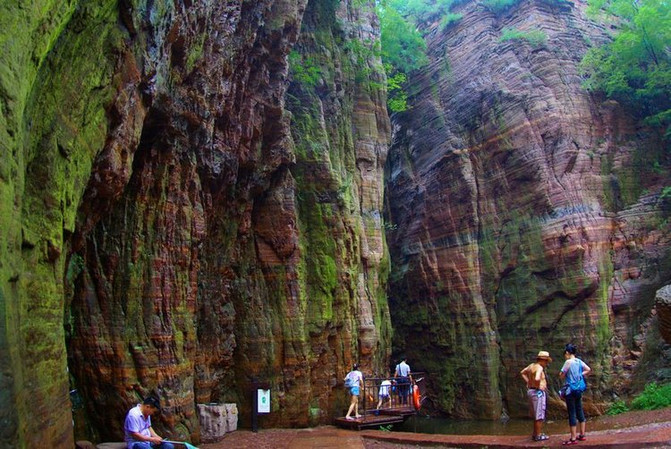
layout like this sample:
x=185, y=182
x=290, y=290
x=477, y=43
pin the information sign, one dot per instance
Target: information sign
x=264, y=400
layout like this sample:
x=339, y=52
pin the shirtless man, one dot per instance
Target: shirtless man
x=534, y=378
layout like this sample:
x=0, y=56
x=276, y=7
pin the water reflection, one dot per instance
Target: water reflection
x=420, y=424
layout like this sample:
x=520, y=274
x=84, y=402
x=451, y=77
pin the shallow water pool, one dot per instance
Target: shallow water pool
x=420, y=424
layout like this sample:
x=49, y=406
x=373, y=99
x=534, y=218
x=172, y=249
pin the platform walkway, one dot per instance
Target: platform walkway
x=393, y=410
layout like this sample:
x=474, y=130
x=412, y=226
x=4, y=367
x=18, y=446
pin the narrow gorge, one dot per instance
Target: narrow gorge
x=197, y=195
x=525, y=214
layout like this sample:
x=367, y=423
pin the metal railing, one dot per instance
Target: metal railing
x=383, y=395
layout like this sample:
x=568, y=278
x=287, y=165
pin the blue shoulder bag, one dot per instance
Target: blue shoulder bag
x=580, y=384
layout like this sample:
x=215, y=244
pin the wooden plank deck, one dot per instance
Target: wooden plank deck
x=370, y=419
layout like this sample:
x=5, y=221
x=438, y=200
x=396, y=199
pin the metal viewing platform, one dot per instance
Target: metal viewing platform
x=393, y=410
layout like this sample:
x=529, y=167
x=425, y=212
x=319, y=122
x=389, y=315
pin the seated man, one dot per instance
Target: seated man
x=137, y=427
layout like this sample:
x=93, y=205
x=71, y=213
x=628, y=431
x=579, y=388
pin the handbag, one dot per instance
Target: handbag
x=564, y=391
x=579, y=386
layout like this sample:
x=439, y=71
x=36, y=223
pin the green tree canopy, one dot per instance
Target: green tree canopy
x=635, y=68
x=403, y=47
x=403, y=50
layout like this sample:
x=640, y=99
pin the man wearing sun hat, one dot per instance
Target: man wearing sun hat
x=534, y=378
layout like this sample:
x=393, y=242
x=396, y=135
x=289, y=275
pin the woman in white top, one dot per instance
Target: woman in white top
x=356, y=382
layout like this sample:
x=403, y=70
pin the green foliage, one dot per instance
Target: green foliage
x=666, y=194
x=362, y=50
x=397, y=97
x=390, y=226
x=450, y=19
x=398, y=101
x=617, y=407
x=403, y=47
x=304, y=70
x=499, y=6
x=421, y=10
x=653, y=397
x=536, y=38
x=635, y=68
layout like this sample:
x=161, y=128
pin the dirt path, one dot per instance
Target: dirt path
x=649, y=429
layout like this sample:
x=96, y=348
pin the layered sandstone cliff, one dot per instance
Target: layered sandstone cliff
x=197, y=230
x=524, y=212
x=191, y=201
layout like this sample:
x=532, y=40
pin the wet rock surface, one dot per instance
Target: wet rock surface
x=522, y=216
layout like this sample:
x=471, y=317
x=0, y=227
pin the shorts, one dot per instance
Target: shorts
x=354, y=391
x=537, y=403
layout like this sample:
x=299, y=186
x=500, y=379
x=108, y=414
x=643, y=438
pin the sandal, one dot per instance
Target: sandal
x=541, y=437
x=582, y=437
x=569, y=442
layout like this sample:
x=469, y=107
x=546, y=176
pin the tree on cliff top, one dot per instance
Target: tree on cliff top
x=403, y=46
x=635, y=68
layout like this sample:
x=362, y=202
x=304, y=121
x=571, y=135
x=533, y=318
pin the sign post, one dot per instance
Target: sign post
x=260, y=402
x=263, y=398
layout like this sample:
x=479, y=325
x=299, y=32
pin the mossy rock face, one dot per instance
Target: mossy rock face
x=342, y=274
x=162, y=232
x=53, y=125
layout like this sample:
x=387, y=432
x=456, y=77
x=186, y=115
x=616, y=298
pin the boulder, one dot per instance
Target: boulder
x=212, y=418
x=231, y=417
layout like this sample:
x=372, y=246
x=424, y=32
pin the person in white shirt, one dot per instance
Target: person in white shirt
x=137, y=427
x=404, y=376
x=356, y=383
x=384, y=393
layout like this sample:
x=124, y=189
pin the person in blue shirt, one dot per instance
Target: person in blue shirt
x=573, y=371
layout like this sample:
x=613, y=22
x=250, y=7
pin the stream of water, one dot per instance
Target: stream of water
x=420, y=424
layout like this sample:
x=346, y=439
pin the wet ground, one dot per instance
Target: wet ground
x=651, y=429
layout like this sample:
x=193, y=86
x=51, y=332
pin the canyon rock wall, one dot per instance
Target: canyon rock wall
x=524, y=214
x=176, y=223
